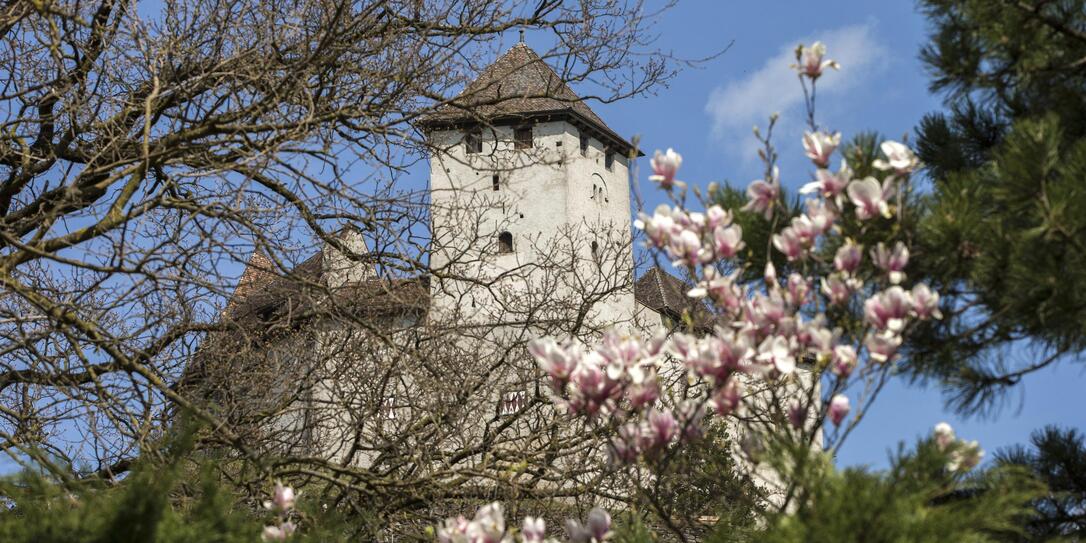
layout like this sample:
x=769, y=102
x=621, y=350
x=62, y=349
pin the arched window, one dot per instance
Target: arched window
x=505, y=243
x=595, y=249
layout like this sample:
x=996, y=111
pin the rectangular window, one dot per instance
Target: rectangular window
x=513, y=402
x=609, y=160
x=584, y=144
x=496, y=182
x=473, y=142
x=522, y=137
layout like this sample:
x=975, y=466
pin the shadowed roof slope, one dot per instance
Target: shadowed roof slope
x=520, y=85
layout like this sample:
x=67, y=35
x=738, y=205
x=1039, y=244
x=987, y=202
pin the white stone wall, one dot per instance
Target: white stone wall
x=554, y=200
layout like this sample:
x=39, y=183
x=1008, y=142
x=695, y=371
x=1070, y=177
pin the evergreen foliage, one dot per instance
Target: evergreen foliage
x=1057, y=457
x=1003, y=233
x=918, y=500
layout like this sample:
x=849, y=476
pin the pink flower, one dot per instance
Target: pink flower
x=728, y=241
x=944, y=435
x=882, y=346
x=721, y=288
x=870, y=198
x=899, y=158
x=810, y=60
x=836, y=289
x=925, y=303
x=557, y=362
x=844, y=360
x=889, y=309
x=790, y=243
x=891, y=262
x=661, y=425
x=966, y=457
x=818, y=219
x=848, y=257
x=819, y=146
x=624, y=446
x=763, y=194
x=685, y=248
x=596, y=530
x=726, y=398
x=278, y=533
x=534, y=530
x=282, y=498
x=829, y=185
x=839, y=408
x=716, y=217
x=664, y=168
x=776, y=352
x=660, y=227
x=797, y=289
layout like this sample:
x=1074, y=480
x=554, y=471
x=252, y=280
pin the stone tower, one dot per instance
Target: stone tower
x=530, y=199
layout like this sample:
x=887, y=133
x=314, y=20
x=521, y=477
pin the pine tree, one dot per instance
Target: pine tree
x=1003, y=230
x=1058, y=458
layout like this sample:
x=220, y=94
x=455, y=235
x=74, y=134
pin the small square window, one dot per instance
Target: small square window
x=522, y=137
x=473, y=142
x=609, y=160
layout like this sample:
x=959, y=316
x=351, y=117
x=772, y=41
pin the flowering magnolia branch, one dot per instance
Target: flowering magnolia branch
x=489, y=526
x=748, y=358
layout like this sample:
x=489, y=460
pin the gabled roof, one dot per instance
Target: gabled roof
x=518, y=86
x=664, y=293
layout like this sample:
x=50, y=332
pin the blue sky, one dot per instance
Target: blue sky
x=707, y=114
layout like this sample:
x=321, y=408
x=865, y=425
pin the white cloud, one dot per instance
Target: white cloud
x=740, y=104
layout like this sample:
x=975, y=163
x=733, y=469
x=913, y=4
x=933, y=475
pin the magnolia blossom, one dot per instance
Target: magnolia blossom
x=829, y=185
x=282, y=498
x=966, y=456
x=810, y=62
x=844, y=360
x=819, y=146
x=892, y=262
x=836, y=289
x=777, y=353
x=848, y=257
x=278, y=533
x=899, y=158
x=728, y=241
x=763, y=194
x=660, y=227
x=791, y=243
x=925, y=303
x=488, y=526
x=889, y=309
x=882, y=346
x=661, y=426
x=664, y=168
x=727, y=399
x=818, y=219
x=944, y=435
x=870, y=198
x=534, y=530
x=839, y=408
x=597, y=529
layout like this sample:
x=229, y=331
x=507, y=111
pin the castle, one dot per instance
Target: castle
x=420, y=382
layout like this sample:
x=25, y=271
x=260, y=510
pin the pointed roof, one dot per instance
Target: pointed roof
x=518, y=86
x=664, y=293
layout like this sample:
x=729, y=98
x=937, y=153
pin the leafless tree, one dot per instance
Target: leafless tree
x=148, y=153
